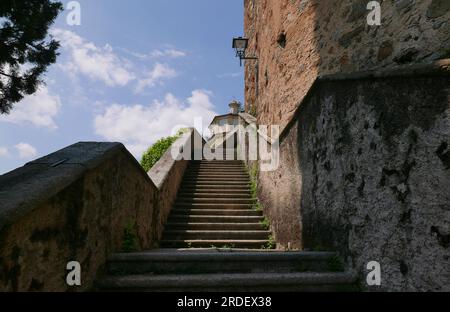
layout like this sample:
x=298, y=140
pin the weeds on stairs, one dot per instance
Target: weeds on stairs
x=228, y=246
x=335, y=264
x=270, y=243
x=265, y=223
x=253, y=173
x=129, y=238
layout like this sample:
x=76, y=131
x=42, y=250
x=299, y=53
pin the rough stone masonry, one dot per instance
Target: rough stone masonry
x=365, y=148
x=297, y=41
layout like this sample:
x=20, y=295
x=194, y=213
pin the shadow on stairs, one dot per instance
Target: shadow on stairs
x=215, y=241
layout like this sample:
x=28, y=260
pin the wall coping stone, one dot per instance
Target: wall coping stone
x=25, y=188
x=159, y=173
x=439, y=68
x=249, y=119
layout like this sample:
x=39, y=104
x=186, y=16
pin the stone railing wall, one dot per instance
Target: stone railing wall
x=365, y=171
x=75, y=205
x=167, y=175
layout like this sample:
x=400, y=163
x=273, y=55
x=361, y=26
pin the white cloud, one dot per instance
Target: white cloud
x=166, y=53
x=97, y=63
x=172, y=53
x=39, y=109
x=105, y=65
x=4, y=152
x=230, y=75
x=157, y=74
x=25, y=150
x=139, y=126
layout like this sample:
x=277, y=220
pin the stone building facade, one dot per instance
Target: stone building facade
x=297, y=41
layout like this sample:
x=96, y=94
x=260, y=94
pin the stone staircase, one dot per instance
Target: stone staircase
x=215, y=241
x=220, y=270
x=215, y=209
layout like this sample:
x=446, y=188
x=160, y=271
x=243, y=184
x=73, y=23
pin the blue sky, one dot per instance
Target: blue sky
x=131, y=72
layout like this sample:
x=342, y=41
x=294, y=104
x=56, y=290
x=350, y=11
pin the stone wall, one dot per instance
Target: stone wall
x=168, y=173
x=75, y=205
x=297, y=41
x=365, y=170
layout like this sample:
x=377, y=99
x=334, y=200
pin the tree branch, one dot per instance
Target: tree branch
x=7, y=75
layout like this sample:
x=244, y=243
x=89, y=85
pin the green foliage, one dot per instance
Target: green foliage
x=25, y=51
x=228, y=246
x=265, y=223
x=253, y=189
x=156, y=151
x=271, y=244
x=129, y=238
x=257, y=206
x=335, y=264
x=253, y=173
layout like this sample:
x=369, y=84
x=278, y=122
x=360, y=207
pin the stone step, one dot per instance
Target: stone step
x=221, y=206
x=217, y=261
x=215, y=167
x=216, y=173
x=216, y=179
x=238, y=185
x=214, y=195
x=218, y=163
x=215, y=234
x=218, y=167
x=242, y=282
x=234, y=180
x=213, y=226
x=215, y=170
x=214, y=243
x=214, y=201
x=216, y=188
x=219, y=219
x=217, y=212
x=216, y=176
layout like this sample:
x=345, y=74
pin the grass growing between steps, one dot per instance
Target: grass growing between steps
x=271, y=244
x=335, y=264
x=265, y=223
x=253, y=173
x=129, y=238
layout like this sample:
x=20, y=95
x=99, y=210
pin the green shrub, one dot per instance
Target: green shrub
x=156, y=151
